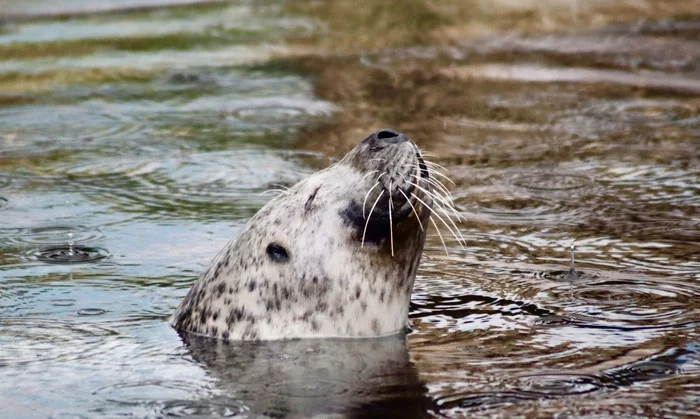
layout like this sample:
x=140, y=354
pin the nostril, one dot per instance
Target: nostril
x=382, y=138
x=384, y=134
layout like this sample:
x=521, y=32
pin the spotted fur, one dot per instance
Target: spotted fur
x=310, y=264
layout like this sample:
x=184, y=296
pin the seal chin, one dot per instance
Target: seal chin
x=394, y=191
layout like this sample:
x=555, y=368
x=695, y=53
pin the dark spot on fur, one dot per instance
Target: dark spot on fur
x=221, y=288
x=358, y=291
x=308, y=206
x=375, y=326
x=183, y=317
x=251, y=285
x=238, y=312
x=307, y=315
x=225, y=334
x=314, y=325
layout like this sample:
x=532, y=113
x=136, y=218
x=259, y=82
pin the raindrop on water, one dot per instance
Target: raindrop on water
x=70, y=243
x=572, y=275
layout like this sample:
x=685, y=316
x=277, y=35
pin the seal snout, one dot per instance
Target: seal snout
x=384, y=138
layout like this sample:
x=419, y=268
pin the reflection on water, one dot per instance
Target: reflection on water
x=136, y=139
x=306, y=377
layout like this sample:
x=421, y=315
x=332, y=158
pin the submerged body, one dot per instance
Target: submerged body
x=333, y=256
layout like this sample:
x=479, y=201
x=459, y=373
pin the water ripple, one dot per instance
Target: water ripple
x=275, y=115
x=35, y=341
x=43, y=129
x=219, y=183
x=171, y=398
x=555, y=384
x=68, y=254
x=629, y=302
x=49, y=236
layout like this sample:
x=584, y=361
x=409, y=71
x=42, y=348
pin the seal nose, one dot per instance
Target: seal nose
x=385, y=137
x=389, y=136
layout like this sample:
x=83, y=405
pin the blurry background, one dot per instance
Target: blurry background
x=136, y=137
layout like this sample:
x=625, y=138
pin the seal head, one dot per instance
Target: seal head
x=333, y=256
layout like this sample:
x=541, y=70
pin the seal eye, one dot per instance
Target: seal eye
x=277, y=253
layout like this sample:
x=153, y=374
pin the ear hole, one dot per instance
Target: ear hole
x=277, y=253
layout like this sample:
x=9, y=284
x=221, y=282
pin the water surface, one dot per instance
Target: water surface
x=136, y=138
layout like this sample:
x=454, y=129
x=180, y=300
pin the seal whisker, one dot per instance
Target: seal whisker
x=459, y=240
x=434, y=182
x=282, y=191
x=364, y=202
x=444, y=200
x=443, y=205
x=432, y=163
x=423, y=153
x=434, y=225
x=391, y=222
x=370, y=216
x=432, y=170
x=367, y=174
x=448, y=202
x=413, y=208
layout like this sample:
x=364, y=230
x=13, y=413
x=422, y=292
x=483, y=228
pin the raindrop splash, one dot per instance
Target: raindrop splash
x=572, y=275
x=70, y=244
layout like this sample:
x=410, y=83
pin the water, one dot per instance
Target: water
x=136, y=140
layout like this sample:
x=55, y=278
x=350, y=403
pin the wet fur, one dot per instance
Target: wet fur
x=334, y=283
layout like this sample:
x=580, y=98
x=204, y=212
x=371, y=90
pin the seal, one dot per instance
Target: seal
x=333, y=256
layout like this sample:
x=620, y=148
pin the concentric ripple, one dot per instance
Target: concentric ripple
x=523, y=198
x=34, y=341
x=628, y=302
x=38, y=130
x=567, y=275
x=552, y=181
x=13, y=298
x=515, y=210
x=554, y=385
x=170, y=398
x=91, y=312
x=51, y=236
x=202, y=409
x=69, y=254
x=276, y=114
x=218, y=183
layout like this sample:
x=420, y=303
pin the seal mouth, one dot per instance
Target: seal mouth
x=398, y=188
